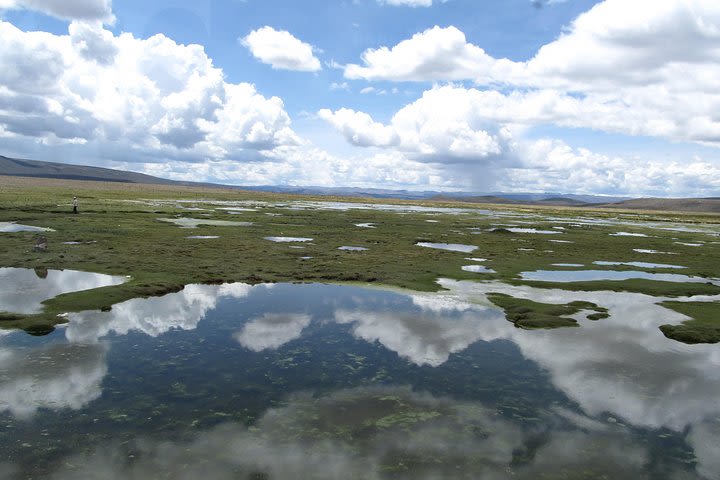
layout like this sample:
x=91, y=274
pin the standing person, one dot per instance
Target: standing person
x=75, y=205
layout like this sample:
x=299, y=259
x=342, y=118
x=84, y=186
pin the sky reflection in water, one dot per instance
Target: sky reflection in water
x=322, y=381
x=22, y=290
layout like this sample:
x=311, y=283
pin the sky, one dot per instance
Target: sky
x=605, y=97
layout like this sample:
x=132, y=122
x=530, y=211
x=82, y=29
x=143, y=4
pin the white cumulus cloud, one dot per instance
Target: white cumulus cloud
x=435, y=54
x=476, y=137
x=281, y=50
x=644, y=68
x=126, y=98
x=100, y=10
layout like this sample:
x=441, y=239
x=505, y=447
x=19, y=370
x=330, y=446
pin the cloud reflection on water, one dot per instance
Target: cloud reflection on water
x=57, y=376
x=22, y=290
x=371, y=433
x=272, y=330
x=156, y=315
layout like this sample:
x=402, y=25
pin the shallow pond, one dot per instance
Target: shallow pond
x=651, y=251
x=477, y=269
x=320, y=381
x=627, y=234
x=12, y=227
x=22, y=290
x=594, y=275
x=638, y=264
x=288, y=239
x=452, y=247
x=196, y=222
x=532, y=230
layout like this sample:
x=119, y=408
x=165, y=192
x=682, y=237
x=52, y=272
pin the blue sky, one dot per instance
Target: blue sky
x=575, y=96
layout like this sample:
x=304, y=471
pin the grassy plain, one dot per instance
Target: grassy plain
x=120, y=233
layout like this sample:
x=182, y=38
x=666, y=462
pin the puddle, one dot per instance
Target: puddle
x=477, y=269
x=202, y=237
x=532, y=230
x=638, y=264
x=690, y=244
x=22, y=290
x=236, y=209
x=365, y=225
x=593, y=275
x=432, y=221
x=12, y=227
x=452, y=247
x=196, y=222
x=561, y=241
x=568, y=265
x=89, y=242
x=353, y=249
x=402, y=209
x=288, y=239
x=627, y=234
x=477, y=259
x=645, y=250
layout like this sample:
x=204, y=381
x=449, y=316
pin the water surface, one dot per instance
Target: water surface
x=477, y=269
x=22, y=290
x=196, y=222
x=320, y=381
x=12, y=227
x=594, y=275
x=637, y=264
x=288, y=239
x=452, y=247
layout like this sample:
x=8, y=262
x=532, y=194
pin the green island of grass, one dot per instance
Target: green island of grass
x=530, y=315
x=704, y=326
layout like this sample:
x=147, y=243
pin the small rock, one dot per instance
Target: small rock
x=41, y=244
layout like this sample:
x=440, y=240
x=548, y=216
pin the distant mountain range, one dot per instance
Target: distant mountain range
x=38, y=169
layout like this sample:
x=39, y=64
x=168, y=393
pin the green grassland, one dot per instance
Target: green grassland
x=704, y=326
x=530, y=315
x=121, y=224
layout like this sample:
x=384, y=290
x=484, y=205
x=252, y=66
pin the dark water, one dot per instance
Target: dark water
x=319, y=381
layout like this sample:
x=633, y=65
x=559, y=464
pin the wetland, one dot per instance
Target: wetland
x=360, y=354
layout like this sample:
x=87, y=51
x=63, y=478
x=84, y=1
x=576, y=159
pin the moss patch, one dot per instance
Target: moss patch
x=531, y=315
x=704, y=326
